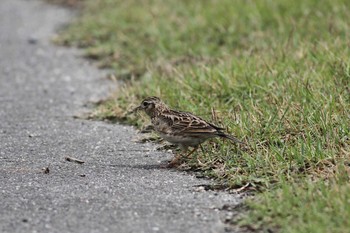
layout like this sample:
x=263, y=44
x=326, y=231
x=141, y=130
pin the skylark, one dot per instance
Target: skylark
x=180, y=128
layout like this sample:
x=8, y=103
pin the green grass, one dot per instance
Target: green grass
x=276, y=74
x=322, y=206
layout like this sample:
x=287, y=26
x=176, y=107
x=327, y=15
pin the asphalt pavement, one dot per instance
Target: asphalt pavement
x=120, y=187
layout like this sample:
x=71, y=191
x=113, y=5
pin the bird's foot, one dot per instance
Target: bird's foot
x=175, y=162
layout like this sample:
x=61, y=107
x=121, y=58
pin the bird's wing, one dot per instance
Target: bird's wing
x=186, y=123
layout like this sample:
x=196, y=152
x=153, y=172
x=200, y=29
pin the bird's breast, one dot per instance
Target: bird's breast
x=160, y=126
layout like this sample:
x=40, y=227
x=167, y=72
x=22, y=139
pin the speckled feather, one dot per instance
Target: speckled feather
x=182, y=128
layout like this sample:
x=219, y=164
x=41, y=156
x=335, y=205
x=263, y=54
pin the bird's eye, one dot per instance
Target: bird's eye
x=145, y=104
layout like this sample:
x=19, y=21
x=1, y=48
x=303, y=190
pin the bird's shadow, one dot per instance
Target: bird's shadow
x=142, y=166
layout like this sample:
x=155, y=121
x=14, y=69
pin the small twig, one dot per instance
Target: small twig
x=46, y=170
x=70, y=159
x=241, y=189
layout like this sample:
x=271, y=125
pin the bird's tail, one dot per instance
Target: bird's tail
x=230, y=137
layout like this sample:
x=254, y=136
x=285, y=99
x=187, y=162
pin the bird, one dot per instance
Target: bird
x=180, y=128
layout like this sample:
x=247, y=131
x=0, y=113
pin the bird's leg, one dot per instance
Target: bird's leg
x=174, y=161
x=202, y=148
x=194, y=149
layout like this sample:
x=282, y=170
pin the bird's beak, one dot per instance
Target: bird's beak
x=135, y=110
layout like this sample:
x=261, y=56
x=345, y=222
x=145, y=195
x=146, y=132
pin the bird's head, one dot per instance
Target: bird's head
x=152, y=106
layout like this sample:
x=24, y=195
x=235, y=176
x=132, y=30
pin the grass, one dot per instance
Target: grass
x=275, y=73
x=321, y=206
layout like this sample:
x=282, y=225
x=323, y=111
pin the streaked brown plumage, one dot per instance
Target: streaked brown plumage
x=180, y=128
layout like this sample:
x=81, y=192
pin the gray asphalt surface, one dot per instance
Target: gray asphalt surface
x=120, y=187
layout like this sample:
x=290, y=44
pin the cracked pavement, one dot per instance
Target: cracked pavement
x=120, y=187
